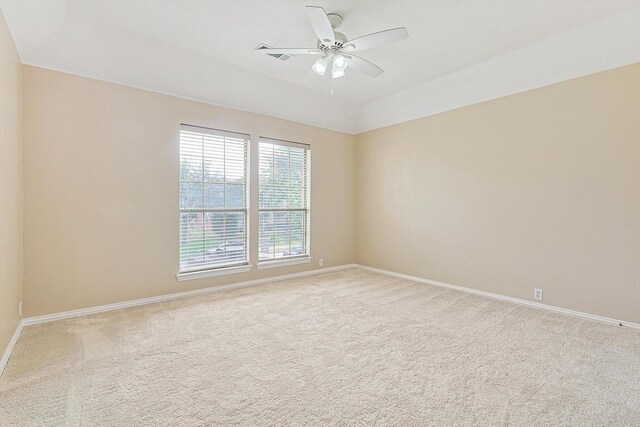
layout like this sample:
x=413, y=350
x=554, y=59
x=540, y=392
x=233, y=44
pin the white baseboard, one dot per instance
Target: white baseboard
x=120, y=305
x=167, y=297
x=533, y=304
x=9, y=349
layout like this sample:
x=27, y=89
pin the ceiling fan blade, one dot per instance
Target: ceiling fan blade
x=289, y=51
x=364, y=66
x=321, y=25
x=376, y=39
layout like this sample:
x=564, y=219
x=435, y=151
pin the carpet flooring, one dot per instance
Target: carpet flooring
x=348, y=348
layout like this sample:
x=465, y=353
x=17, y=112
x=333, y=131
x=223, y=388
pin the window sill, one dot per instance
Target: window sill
x=283, y=263
x=213, y=272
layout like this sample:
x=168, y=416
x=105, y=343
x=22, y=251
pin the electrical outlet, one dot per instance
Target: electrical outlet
x=537, y=294
x=321, y=262
x=20, y=308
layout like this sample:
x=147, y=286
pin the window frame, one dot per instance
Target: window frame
x=224, y=267
x=306, y=209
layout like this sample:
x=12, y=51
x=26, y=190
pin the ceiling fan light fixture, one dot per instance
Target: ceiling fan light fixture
x=336, y=73
x=320, y=66
x=339, y=62
x=338, y=66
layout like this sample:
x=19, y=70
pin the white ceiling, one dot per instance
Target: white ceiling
x=204, y=50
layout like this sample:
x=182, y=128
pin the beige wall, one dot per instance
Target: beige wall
x=539, y=189
x=10, y=186
x=101, y=190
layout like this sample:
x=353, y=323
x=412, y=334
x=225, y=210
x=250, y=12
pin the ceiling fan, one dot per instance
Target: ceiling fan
x=336, y=49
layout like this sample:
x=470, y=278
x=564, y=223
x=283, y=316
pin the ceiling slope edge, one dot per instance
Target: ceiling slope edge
x=586, y=50
x=127, y=58
x=350, y=129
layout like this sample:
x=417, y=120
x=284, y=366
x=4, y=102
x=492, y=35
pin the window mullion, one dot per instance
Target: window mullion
x=204, y=216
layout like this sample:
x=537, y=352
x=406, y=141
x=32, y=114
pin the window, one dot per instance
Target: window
x=213, y=198
x=284, y=199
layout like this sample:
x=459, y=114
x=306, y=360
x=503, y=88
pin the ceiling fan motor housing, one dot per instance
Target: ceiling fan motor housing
x=341, y=40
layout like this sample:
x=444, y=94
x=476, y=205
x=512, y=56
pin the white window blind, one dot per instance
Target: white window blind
x=284, y=199
x=213, y=198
